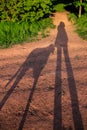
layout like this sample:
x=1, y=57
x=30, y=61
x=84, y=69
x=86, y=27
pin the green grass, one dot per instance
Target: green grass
x=72, y=17
x=13, y=33
x=81, y=24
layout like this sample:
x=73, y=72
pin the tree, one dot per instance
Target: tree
x=81, y=4
x=80, y=8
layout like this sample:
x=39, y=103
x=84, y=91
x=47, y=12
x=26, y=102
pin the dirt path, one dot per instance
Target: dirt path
x=43, y=85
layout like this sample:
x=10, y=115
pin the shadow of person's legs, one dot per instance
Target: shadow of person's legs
x=73, y=92
x=57, y=124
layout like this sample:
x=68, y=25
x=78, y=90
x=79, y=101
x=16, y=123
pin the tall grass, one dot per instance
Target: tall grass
x=81, y=24
x=12, y=33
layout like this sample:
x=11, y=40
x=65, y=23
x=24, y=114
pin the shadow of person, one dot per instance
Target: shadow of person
x=61, y=44
x=36, y=60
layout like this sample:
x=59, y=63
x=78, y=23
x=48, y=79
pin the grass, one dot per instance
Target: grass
x=13, y=33
x=81, y=24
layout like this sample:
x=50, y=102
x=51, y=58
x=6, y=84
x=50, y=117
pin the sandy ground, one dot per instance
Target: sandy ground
x=43, y=85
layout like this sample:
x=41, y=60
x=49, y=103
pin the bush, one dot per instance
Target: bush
x=24, y=10
x=59, y=7
x=21, y=20
x=12, y=32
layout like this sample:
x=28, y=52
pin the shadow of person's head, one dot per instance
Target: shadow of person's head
x=61, y=25
x=62, y=38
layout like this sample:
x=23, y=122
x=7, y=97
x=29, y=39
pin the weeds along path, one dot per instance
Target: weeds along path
x=43, y=83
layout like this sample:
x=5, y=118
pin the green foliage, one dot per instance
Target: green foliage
x=85, y=5
x=78, y=3
x=21, y=20
x=24, y=10
x=72, y=17
x=59, y=7
x=80, y=23
x=82, y=26
x=12, y=32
